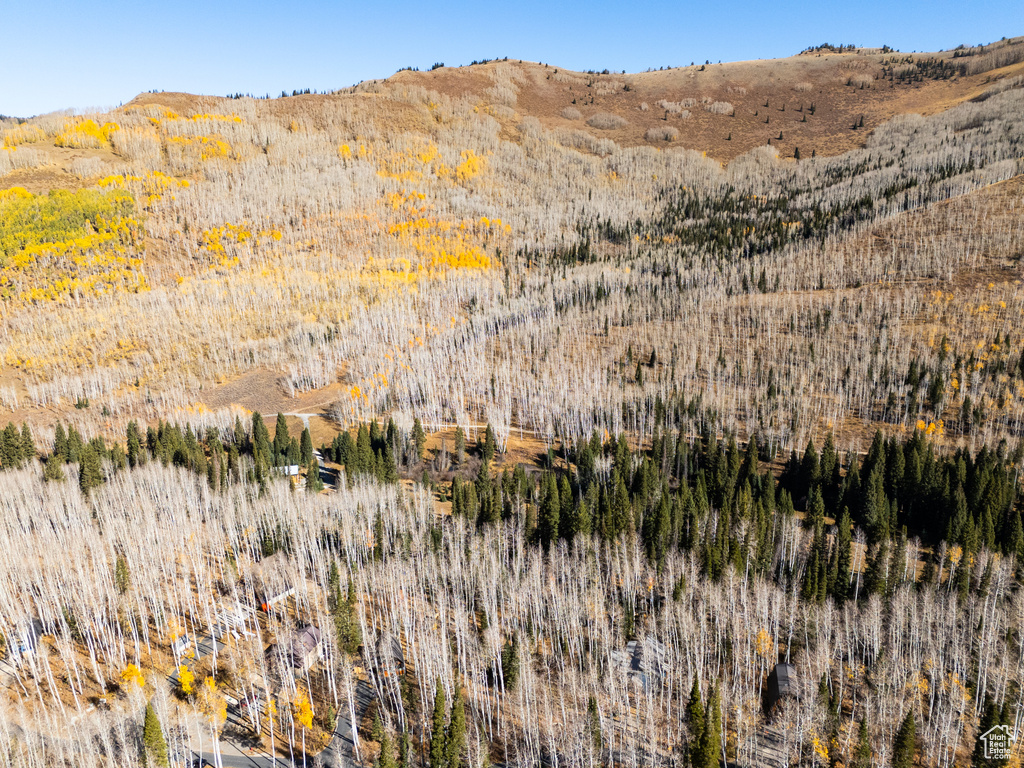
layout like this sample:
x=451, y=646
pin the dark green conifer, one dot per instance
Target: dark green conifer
x=905, y=743
x=455, y=741
x=90, y=474
x=437, y=733
x=154, y=753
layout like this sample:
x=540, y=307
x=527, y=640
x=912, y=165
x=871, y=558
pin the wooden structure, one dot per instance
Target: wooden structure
x=781, y=685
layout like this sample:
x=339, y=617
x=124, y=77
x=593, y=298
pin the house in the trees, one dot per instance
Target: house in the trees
x=782, y=685
x=305, y=649
x=299, y=654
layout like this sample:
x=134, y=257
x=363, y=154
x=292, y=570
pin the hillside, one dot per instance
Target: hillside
x=439, y=178
x=814, y=99
x=491, y=413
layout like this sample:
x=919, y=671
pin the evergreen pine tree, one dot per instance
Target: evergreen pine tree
x=52, y=470
x=261, y=442
x=154, y=744
x=904, y=744
x=333, y=587
x=550, y=513
x=387, y=757
x=490, y=444
x=710, y=744
x=313, y=482
x=405, y=750
x=990, y=716
x=841, y=583
x=862, y=757
x=28, y=444
x=60, y=443
x=437, y=734
x=73, y=447
x=134, y=444
x=455, y=743
x=1014, y=544
x=567, y=509
x=281, y=440
x=510, y=663
x=305, y=447
x=460, y=445
x=809, y=471
x=582, y=521
x=10, y=447
x=815, y=506
x=90, y=474
x=419, y=439
x=877, y=576
x=376, y=726
x=240, y=438
x=363, y=460
x=346, y=621
x=695, y=719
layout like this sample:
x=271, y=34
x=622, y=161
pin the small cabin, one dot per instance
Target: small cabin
x=305, y=649
x=781, y=685
x=296, y=656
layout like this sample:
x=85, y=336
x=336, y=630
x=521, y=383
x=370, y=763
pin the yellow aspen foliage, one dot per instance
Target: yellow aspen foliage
x=186, y=680
x=472, y=165
x=132, y=675
x=85, y=133
x=216, y=118
x=345, y=152
x=220, y=244
x=69, y=243
x=22, y=134
x=151, y=188
x=209, y=147
x=211, y=702
x=820, y=750
x=427, y=155
x=764, y=644
x=303, y=710
x=955, y=555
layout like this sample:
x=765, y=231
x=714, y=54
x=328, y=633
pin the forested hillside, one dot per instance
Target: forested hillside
x=594, y=397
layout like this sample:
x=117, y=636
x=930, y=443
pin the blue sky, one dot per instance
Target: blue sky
x=78, y=54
